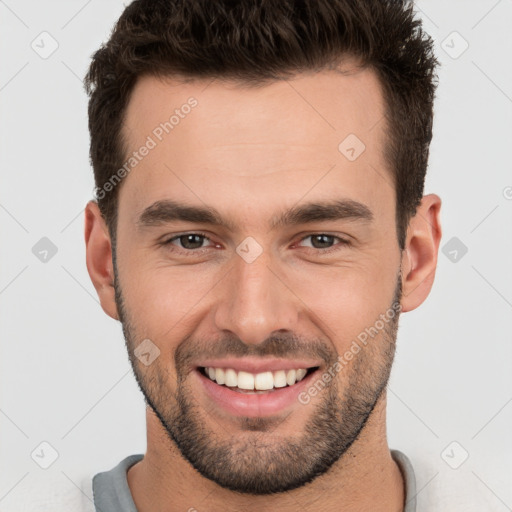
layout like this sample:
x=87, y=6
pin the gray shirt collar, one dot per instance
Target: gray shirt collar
x=112, y=493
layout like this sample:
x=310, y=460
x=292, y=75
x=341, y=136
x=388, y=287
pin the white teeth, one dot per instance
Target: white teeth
x=301, y=373
x=280, y=379
x=245, y=380
x=219, y=375
x=263, y=381
x=290, y=377
x=260, y=382
x=230, y=378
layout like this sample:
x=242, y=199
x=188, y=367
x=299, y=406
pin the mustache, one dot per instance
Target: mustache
x=280, y=345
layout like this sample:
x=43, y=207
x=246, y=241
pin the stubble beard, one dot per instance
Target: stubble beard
x=260, y=460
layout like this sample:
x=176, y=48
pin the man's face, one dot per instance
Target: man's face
x=256, y=291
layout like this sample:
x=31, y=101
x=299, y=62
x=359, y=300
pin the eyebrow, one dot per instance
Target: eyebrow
x=166, y=211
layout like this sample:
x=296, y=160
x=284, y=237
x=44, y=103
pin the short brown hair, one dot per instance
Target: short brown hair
x=256, y=41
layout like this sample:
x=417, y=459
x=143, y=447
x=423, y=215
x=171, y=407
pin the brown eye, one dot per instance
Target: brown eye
x=191, y=241
x=325, y=243
x=322, y=241
x=187, y=242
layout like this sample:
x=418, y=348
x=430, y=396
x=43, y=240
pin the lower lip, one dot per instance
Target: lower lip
x=254, y=405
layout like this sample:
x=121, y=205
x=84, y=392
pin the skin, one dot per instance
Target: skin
x=251, y=153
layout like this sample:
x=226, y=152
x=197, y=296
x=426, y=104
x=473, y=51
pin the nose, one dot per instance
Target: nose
x=255, y=301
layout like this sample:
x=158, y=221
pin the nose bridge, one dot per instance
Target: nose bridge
x=254, y=302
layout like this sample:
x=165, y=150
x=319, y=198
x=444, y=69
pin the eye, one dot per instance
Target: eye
x=323, y=242
x=189, y=242
x=192, y=243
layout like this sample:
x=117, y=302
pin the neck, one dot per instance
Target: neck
x=365, y=478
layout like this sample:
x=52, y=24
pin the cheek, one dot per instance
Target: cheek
x=163, y=298
x=345, y=302
x=169, y=302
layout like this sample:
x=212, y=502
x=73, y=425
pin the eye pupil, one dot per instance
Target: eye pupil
x=185, y=239
x=324, y=237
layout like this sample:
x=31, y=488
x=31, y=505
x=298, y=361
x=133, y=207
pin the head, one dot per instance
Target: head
x=259, y=172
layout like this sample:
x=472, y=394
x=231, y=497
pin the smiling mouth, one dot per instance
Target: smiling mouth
x=255, y=383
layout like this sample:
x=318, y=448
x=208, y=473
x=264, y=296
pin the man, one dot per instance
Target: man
x=259, y=226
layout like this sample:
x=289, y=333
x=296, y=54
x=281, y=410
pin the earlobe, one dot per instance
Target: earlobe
x=99, y=258
x=419, y=259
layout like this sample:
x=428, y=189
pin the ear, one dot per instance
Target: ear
x=99, y=258
x=419, y=258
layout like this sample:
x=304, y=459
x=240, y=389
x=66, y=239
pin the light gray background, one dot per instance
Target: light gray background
x=65, y=375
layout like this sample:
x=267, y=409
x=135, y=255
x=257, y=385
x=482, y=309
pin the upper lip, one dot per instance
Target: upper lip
x=258, y=365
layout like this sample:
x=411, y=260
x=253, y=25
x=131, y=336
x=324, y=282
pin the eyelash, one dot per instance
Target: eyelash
x=196, y=252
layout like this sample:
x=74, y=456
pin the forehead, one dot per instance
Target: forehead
x=331, y=101
x=213, y=138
